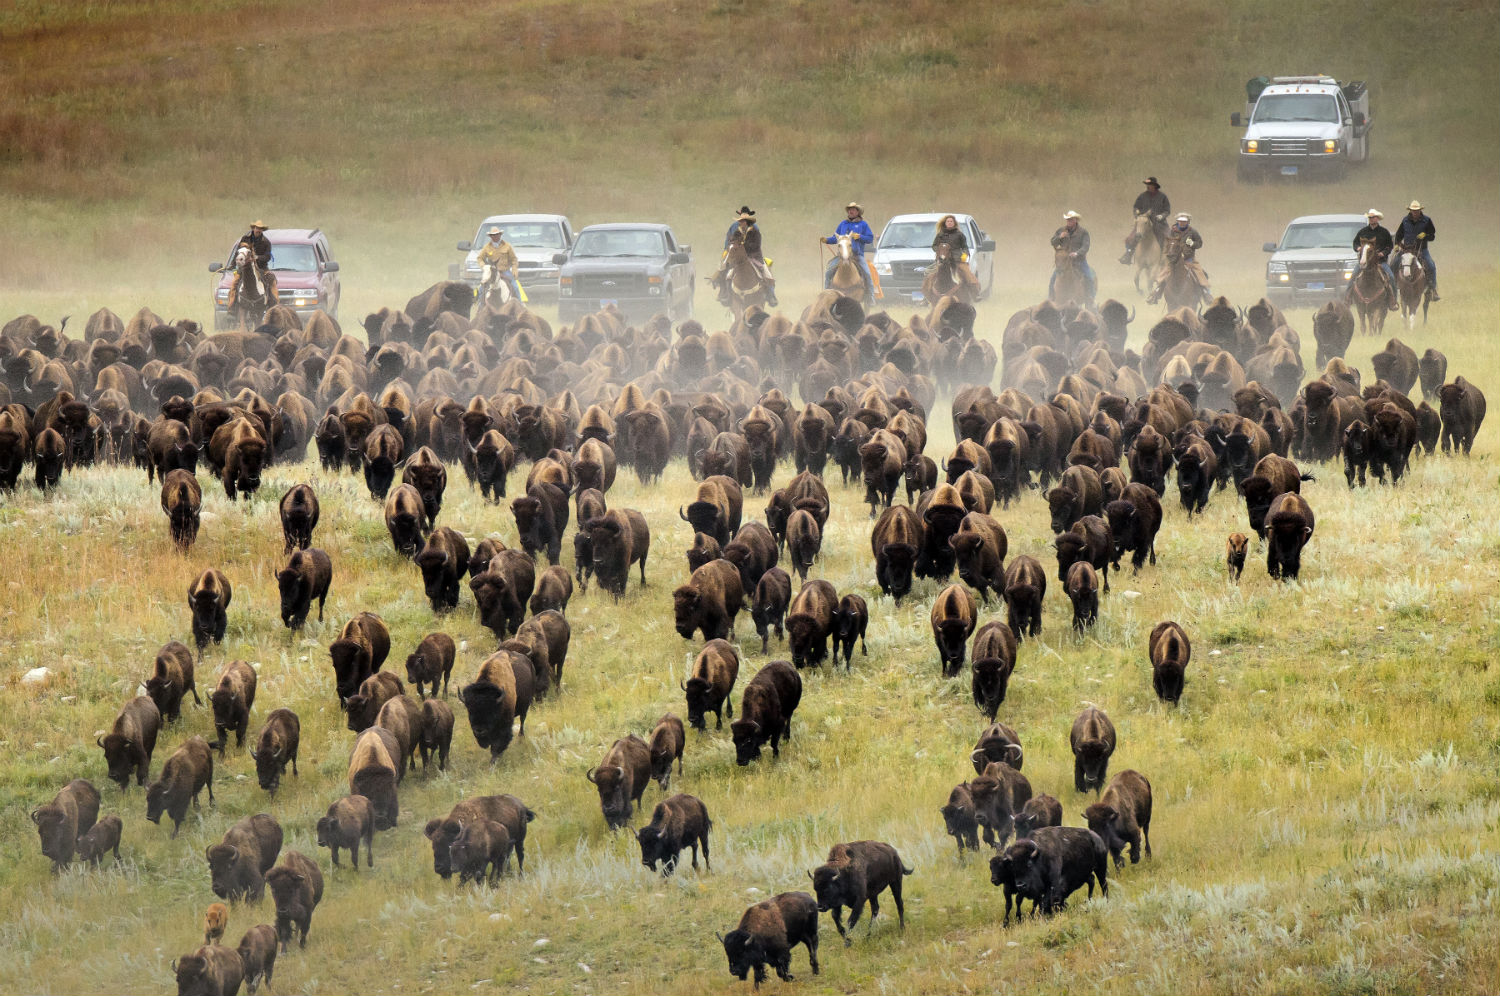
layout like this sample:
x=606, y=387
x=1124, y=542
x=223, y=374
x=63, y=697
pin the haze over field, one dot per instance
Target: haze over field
x=1327, y=807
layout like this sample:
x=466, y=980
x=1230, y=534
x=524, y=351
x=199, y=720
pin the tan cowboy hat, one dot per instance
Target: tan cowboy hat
x=1414, y=206
x=745, y=216
x=1069, y=215
x=855, y=206
x=1184, y=216
x=495, y=231
x=1372, y=213
x=258, y=224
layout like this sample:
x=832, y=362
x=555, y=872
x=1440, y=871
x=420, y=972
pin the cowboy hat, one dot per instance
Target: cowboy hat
x=1372, y=213
x=494, y=230
x=746, y=215
x=1184, y=216
x=1069, y=215
x=855, y=206
x=258, y=224
x=1150, y=181
x=1414, y=206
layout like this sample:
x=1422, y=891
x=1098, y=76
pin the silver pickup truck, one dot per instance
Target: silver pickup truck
x=1302, y=125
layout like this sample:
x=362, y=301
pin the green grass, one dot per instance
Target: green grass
x=1326, y=806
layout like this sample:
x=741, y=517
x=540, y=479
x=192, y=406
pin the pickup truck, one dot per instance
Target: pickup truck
x=640, y=268
x=1313, y=261
x=534, y=237
x=307, y=276
x=1302, y=125
x=904, y=251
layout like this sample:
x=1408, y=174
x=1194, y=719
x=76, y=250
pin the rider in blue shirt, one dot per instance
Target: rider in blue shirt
x=855, y=225
x=1418, y=228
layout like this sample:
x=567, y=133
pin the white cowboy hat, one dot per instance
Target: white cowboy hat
x=1069, y=215
x=1414, y=206
x=1184, y=216
x=1372, y=213
x=258, y=224
x=495, y=231
x=855, y=206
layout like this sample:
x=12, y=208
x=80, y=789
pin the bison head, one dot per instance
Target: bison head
x=748, y=740
x=614, y=787
x=746, y=952
x=121, y=756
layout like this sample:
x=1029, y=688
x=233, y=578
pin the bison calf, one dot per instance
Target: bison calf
x=257, y=951
x=101, y=838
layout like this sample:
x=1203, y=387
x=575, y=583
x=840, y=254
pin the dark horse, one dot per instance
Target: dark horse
x=949, y=275
x=253, y=290
x=1370, y=294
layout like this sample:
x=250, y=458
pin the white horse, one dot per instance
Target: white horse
x=494, y=293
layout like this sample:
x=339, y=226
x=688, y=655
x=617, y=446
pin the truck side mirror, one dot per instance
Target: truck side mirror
x=679, y=258
x=1234, y=119
x=465, y=246
x=215, y=267
x=559, y=258
x=1359, y=119
x=1268, y=247
x=330, y=267
x=988, y=245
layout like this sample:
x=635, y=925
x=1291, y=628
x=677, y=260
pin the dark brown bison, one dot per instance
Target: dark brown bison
x=999, y=793
x=238, y=448
x=257, y=951
x=233, y=697
x=621, y=778
x=1049, y=866
x=1093, y=741
x=349, y=821
x=1039, y=811
x=979, y=548
x=959, y=819
x=620, y=538
x=766, y=934
x=1123, y=816
x=810, y=622
x=187, y=772
x=1025, y=588
x=709, y=601
x=804, y=540
x=753, y=551
x=182, y=500
x=374, y=772
x=237, y=864
x=667, y=741
x=437, y=732
x=994, y=660
x=952, y=618
x=856, y=873
x=1082, y=587
x=677, y=822
x=1433, y=371
x=1076, y=495
x=1289, y=527
x=70, y=815
x=307, y=575
x=766, y=709
x=502, y=590
x=496, y=698
x=1333, y=328
x=299, y=516
x=1197, y=468
x=425, y=472
x=480, y=851
x=1090, y=542
x=1133, y=522
x=359, y=651
x=209, y=597
x=212, y=970
x=443, y=561
x=711, y=684
x=1234, y=553
x=506, y=810
x=882, y=462
x=171, y=678
x=1170, y=653
x=1462, y=408
x=541, y=518
x=896, y=540
x=102, y=838
x=403, y=519
x=997, y=743
x=363, y=707
x=717, y=508
x=1397, y=365
x=849, y=621
x=704, y=549
x=772, y=595
x=296, y=887
x=553, y=590
x=276, y=747
x=131, y=740
x=431, y=662
x=493, y=458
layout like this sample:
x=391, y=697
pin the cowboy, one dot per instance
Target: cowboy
x=1417, y=229
x=1157, y=206
x=854, y=224
x=1375, y=234
x=1074, y=240
x=949, y=234
x=498, y=253
x=1182, y=244
x=258, y=243
x=746, y=232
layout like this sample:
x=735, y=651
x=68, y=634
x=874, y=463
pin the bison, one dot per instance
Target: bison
x=296, y=887
x=502, y=590
x=430, y=662
x=1461, y=406
x=349, y=821
x=809, y=623
x=404, y=516
x=677, y=822
x=619, y=539
x=131, y=740
x=307, y=575
x=276, y=747
x=897, y=539
x=979, y=548
x=766, y=934
x=856, y=873
x=506, y=810
x=497, y=697
x=711, y=684
x=232, y=700
x=709, y=601
x=443, y=561
x=621, y=778
x=849, y=621
x=209, y=597
x=187, y=772
x=182, y=500
x=666, y=743
x=1122, y=816
x=994, y=660
x=766, y=710
x=1025, y=588
x=237, y=864
x=772, y=594
x=299, y=516
x=1050, y=865
x=359, y=652
x=1289, y=526
x=212, y=970
x=374, y=771
x=1170, y=652
x=60, y=823
x=1093, y=741
x=257, y=951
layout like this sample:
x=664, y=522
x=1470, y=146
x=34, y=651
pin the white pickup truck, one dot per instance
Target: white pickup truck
x=1301, y=125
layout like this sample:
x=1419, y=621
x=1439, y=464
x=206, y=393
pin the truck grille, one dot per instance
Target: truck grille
x=1289, y=147
x=606, y=285
x=1330, y=275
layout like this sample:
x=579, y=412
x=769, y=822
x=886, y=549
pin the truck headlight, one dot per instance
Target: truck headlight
x=1330, y=146
x=565, y=286
x=222, y=296
x=1252, y=146
x=884, y=269
x=1349, y=269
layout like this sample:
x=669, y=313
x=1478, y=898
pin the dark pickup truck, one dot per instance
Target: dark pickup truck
x=640, y=268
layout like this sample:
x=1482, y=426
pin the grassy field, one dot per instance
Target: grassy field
x=1327, y=809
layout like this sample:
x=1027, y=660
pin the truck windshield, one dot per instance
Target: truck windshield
x=1323, y=235
x=1296, y=107
x=908, y=235
x=527, y=234
x=293, y=259
x=620, y=243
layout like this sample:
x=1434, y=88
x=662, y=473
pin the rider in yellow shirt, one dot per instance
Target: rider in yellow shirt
x=498, y=253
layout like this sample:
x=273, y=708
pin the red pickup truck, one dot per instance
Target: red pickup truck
x=307, y=276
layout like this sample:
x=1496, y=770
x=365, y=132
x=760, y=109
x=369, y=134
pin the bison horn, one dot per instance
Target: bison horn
x=99, y=741
x=810, y=875
x=589, y=774
x=719, y=936
x=682, y=515
x=682, y=685
x=977, y=755
x=33, y=815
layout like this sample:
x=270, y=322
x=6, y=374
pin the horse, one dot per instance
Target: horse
x=1412, y=284
x=947, y=276
x=1370, y=293
x=1147, y=250
x=252, y=292
x=743, y=281
x=494, y=292
x=1182, y=286
x=847, y=279
x=1070, y=284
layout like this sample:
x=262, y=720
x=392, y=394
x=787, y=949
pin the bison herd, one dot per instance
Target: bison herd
x=1080, y=423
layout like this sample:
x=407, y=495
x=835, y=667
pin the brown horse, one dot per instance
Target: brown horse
x=1370, y=294
x=1070, y=284
x=746, y=286
x=1412, y=284
x=1183, y=285
x=847, y=279
x=1147, y=250
x=949, y=276
x=252, y=292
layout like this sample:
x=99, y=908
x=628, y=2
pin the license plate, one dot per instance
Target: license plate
x=916, y=297
x=1316, y=286
x=1288, y=171
x=605, y=302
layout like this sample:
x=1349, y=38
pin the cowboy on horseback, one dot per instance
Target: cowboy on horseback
x=1074, y=240
x=860, y=236
x=949, y=241
x=499, y=254
x=1374, y=235
x=258, y=243
x=1416, y=229
x=1181, y=246
x=746, y=233
x=1155, y=205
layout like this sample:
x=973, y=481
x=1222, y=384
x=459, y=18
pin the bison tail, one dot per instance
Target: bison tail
x=907, y=871
x=1308, y=477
